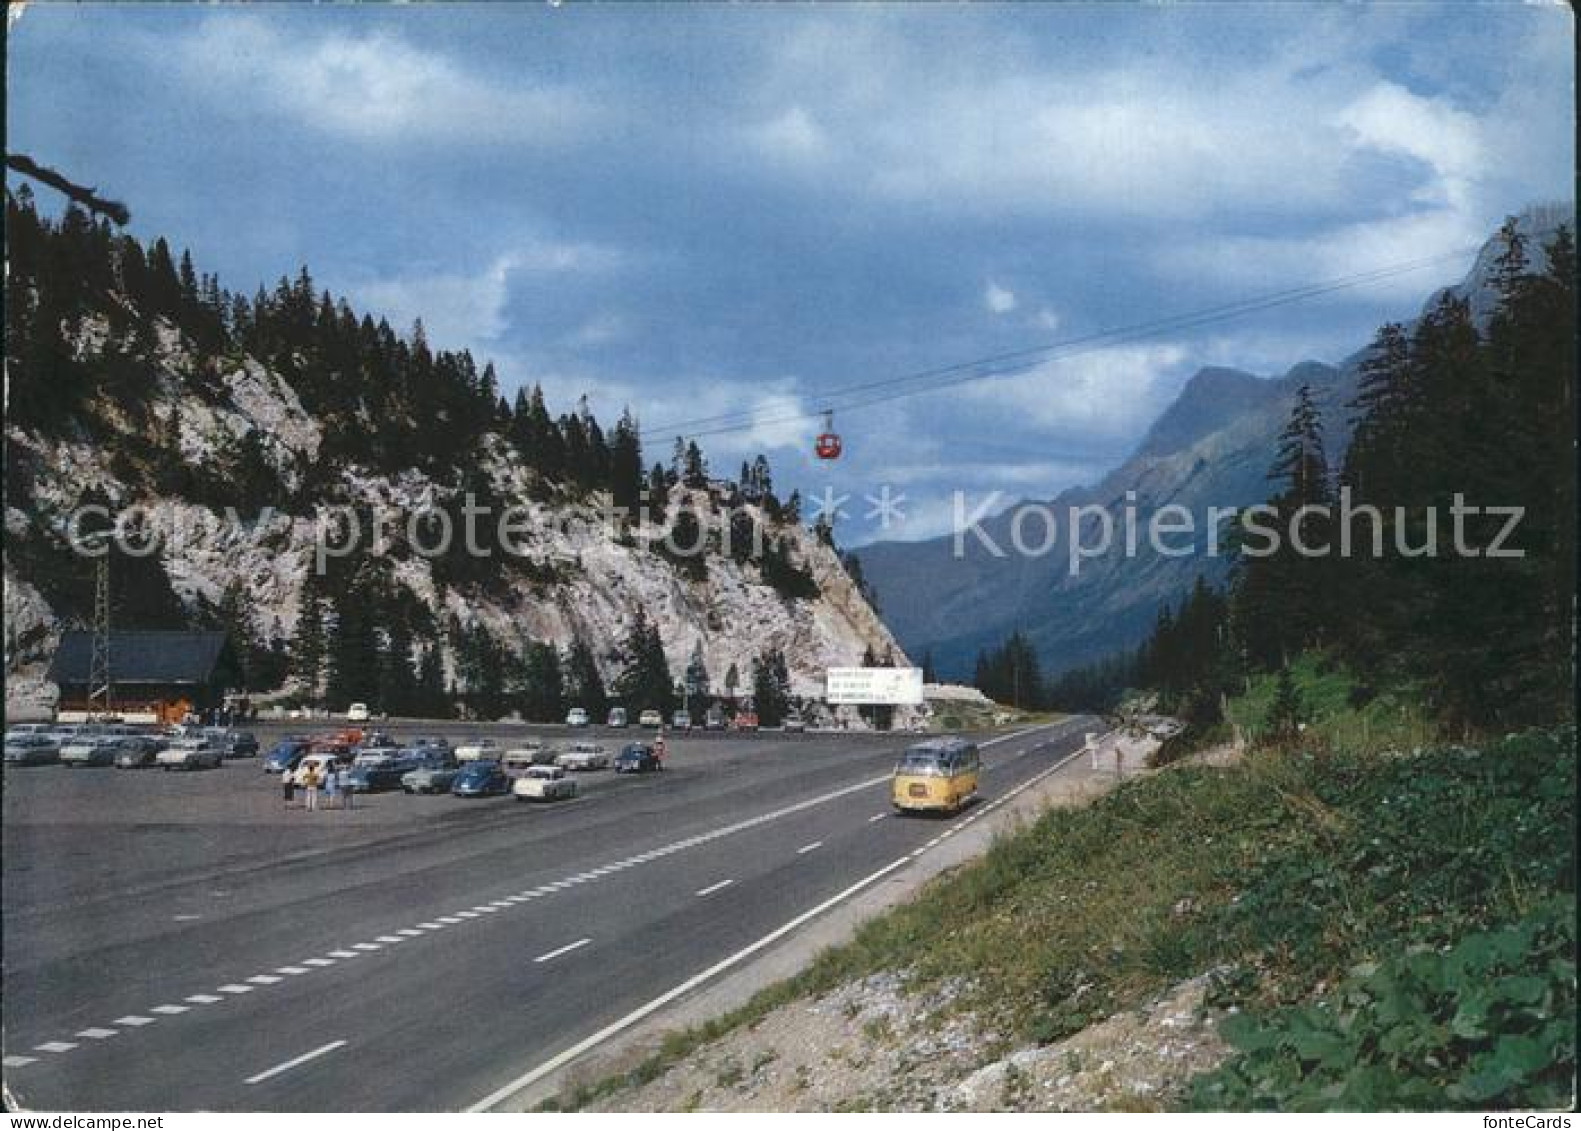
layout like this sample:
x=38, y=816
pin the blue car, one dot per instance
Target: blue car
x=638, y=758
x=285, y=755
x=481, y=779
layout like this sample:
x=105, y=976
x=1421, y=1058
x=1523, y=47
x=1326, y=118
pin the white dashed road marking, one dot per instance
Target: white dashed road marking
x=563, y=950
x=876, y=817
x=134, y=1021
x=265, y=979
x=815, y=845
x=234, y=988
x=720, y=886
x=204, y=999
x=171, y=1010
x=54, y=1046
x=17, y=1061
x=293, y=1063
x=98, y=1034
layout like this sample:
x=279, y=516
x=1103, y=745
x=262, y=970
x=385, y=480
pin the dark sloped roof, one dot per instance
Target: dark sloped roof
x=142, y=657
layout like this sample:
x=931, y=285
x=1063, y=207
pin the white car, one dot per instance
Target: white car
x=319, y=763
x=92, y=750
x=477, y=749
x=524, y=755
x=358, y=713
x=650, y=718
x=794, y=724
x=583, y=756
x=189, y=754
x=544, y=783
x=577, y=717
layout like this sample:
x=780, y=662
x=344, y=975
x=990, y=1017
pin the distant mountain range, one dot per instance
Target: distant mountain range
x=1211, y=448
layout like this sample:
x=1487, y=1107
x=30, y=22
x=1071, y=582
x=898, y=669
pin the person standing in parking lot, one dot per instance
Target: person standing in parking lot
x=288, y=786
x=310, y=783
x=331, y=785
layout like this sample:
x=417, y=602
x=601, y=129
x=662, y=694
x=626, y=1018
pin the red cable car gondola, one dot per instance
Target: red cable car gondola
x=828, y=445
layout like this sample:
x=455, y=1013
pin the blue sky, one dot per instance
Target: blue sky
x=710, y=209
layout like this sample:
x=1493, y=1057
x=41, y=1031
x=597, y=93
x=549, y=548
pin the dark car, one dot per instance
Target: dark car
x=380, y=777
x=481, y=778
x=285, y=755
x=139, y=751
x=426, y=744
x=233, y=743
x=638, y=758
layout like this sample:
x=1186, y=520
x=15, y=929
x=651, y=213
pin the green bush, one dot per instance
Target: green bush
x=1489, y=1022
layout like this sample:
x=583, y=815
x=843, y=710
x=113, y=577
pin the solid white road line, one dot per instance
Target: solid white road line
x=293, y=1063
x=720, y=886
x=686, y=987
x=578, y=945
x=806, y=848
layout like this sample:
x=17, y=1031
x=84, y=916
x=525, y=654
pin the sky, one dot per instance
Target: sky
x=708, y=210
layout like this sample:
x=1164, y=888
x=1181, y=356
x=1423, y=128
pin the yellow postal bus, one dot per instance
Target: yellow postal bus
x=937, y=775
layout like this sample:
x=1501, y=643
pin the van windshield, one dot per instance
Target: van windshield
x=920, y=762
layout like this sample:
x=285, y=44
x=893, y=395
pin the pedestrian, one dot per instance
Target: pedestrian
x=331, y=786
x=310, y=783
x=288, y=786
x=658, y=747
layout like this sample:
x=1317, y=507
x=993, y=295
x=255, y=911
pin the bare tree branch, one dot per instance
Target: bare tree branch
x=86, y=197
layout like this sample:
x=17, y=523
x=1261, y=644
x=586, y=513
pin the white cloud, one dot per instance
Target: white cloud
x=377, y=87
x=457, y=310
x=791, y=138
x=998, y=299
x=1105, y=396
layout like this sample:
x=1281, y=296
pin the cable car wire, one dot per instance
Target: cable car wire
x=1015, y=362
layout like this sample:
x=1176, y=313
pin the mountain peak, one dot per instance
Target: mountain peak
x=1202, y=406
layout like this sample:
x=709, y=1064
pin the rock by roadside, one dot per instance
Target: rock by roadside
x=872, y=1046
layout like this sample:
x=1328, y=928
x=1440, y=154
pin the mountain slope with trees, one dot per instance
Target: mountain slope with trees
x=135, y=380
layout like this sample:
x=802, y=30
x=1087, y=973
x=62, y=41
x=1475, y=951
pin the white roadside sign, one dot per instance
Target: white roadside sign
x=893, y=687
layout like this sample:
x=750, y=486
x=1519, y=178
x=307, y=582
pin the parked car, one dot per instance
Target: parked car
x=139, y=751
x=583, y=756
x=386, y=775
x=189, y=754
x=341, y=752
x=436, y=774
x=617, y=717
x=794, y=723
x=233, y=743
x=31, y=750
x=376, y=755
x=358, y=713
x=480, y=779
x=681, y=720
x=518, y=759
x=475, y=748
x=745, y=720
x=577, y=717
x=17, y=730
x=637, y=758
x=430, y=744
x=714, y=719
x=92, y=750
x=319, y=761
x=285, y=755
x=544, y=783
x=651, y=718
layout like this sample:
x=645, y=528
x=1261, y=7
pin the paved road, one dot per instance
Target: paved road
x=180, y=942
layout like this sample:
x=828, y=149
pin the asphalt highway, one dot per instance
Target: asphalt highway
x=182, y=942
